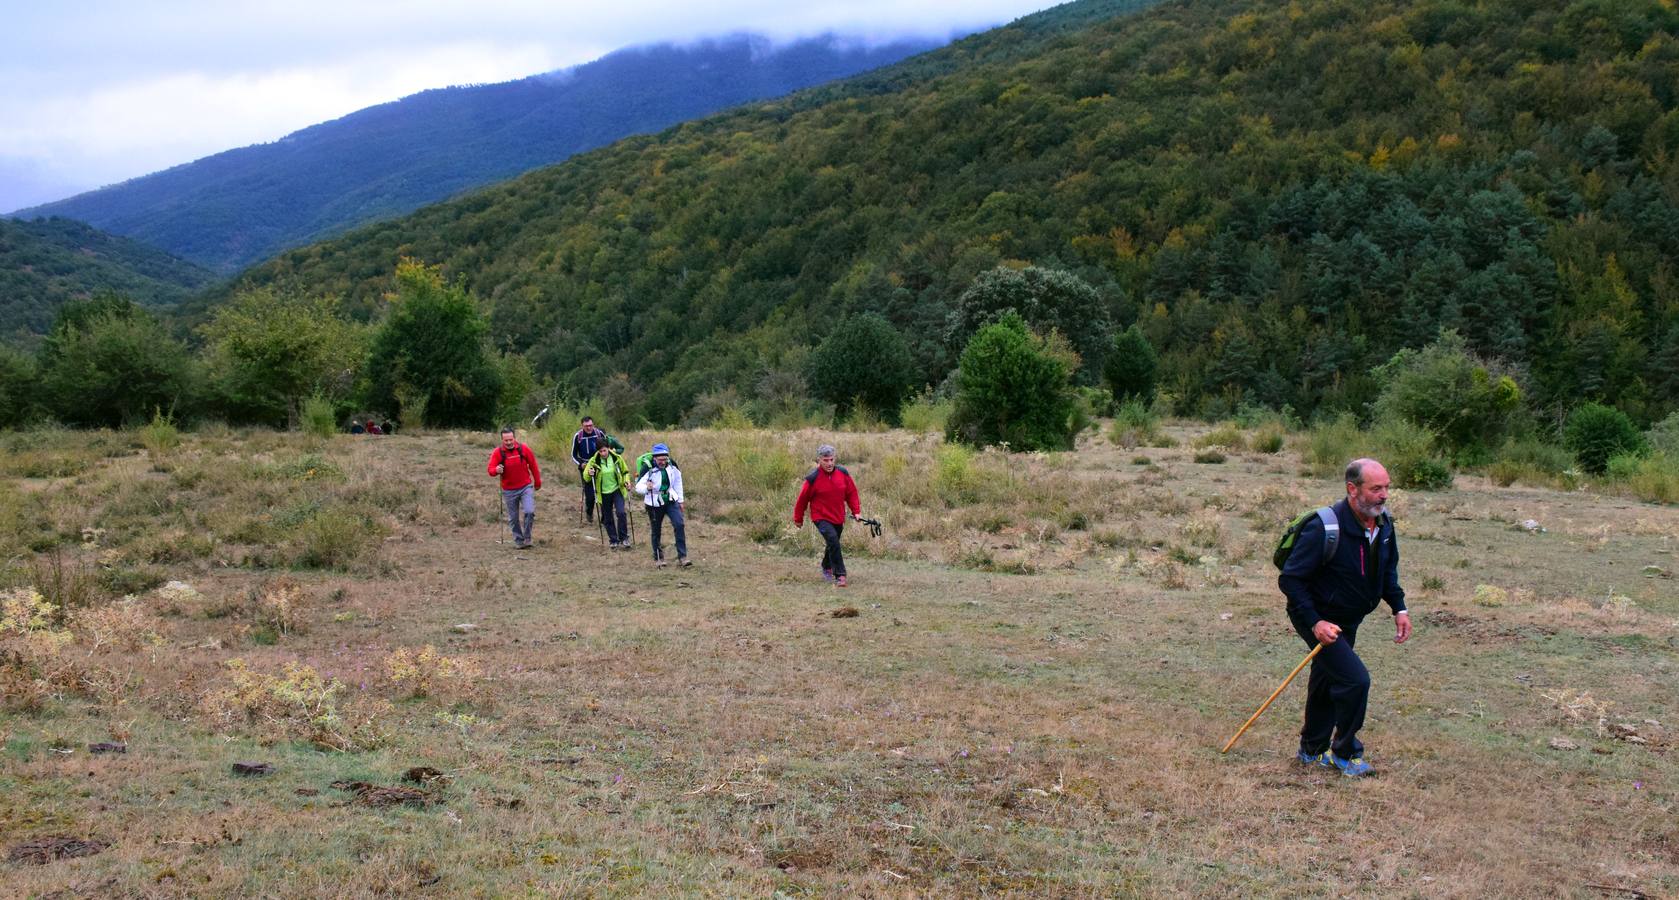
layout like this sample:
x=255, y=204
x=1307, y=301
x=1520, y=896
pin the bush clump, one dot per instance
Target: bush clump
x=1012, y=389
x=1595, y=433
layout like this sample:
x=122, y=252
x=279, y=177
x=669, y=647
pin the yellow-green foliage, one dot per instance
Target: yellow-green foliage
x=297, y=704
x=1228, y=436
x=1490, y=595
x=420, y=672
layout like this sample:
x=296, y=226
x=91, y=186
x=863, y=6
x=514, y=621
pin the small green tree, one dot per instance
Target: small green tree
x=269, y=352
x=17, y=387
x=114, y=364
x=1132, y=366
x=1011, y=388
x=1443, y=387
x=1595, y=434
x=863, y=360
x=431, y=351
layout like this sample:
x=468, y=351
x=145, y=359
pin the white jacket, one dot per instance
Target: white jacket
x=648, y=485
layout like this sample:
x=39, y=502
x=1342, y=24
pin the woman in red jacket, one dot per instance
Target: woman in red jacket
x=827, y=491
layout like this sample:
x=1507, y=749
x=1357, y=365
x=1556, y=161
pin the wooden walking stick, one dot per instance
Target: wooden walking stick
x=1263, y=706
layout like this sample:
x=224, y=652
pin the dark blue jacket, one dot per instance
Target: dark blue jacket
x=1350, y=585
x=583, y=446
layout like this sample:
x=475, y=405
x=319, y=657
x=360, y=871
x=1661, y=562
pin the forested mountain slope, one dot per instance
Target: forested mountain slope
x=235, y=208
x=1282, y=193
x=46, y=262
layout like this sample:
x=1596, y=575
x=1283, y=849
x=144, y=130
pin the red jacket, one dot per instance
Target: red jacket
x=827, y=495
x=521, y=468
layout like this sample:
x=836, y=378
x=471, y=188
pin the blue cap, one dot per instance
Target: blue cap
x=661, y=450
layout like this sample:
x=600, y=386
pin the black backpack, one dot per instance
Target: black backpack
x=1331, y=535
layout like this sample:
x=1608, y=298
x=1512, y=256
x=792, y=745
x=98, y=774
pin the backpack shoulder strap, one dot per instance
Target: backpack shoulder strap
x=811, y=478
x=1331, y=532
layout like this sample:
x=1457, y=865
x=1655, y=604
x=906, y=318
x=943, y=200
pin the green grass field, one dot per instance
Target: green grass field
x=1045, y=656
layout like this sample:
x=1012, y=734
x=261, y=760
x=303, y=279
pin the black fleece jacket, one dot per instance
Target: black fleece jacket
x=1349, y=586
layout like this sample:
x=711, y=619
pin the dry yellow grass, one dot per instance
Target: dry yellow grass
x=1048, y=653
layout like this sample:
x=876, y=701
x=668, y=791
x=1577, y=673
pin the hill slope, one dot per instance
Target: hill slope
x=229, y=210
x=1282, y=195
x=46, y=262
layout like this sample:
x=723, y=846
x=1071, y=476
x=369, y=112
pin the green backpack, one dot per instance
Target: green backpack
x=1331, y=536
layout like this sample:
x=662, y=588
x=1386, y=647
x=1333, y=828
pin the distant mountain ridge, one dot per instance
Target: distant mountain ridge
x=238, y=207
x=47, y=262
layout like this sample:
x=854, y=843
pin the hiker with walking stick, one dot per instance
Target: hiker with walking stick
x=661, y=488
x=515, y=464
x=584, y=443
x=1343, y=562
x=609, y=476
x=827, y=491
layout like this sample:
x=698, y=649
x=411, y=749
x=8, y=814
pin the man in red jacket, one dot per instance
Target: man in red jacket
x=520, y=479
x=827, y=491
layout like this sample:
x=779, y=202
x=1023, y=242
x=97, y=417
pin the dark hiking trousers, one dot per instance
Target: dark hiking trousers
x=1336, y=695
x=832, y=559
x=656, y=515
x=613, y=518
x=588, y=497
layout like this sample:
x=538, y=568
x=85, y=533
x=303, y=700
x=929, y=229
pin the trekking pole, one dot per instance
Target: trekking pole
x=495, y=517
x=1267, y=703
x=629, y=519
x=602, y=524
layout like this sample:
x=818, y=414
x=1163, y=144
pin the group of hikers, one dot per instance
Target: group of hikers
x=1337, y=563
x=606, y=480
x=371, y=427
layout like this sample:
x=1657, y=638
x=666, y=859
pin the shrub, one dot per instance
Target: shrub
x=1594, y=433
x=160, y=434
x=1132, y=366
x=954, y=477
x=335, y=539
x=863, y=361
x=1226, y=436
x=926, y=414
x=1012, y=389
x=296, y=705
x=421, y=672
x=1209, y=456
x=1464, y=401
x=429, y=359
x=1135, y=424
x=114, y=364
x=1410, y=454
x=270, y=350
x=1653, y=479
x=1269, y=438
x=1329, y=446
x=622, y=401
x=320, y=417
x=18, y=391
x=1663, y=437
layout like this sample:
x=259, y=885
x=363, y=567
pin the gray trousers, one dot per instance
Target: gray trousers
x=521, y=512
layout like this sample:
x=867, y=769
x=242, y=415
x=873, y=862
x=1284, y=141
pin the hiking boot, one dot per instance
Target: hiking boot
x=1314, y=759
x=839, y=581
x=827, y=574
x=684, y=561
x=658, y=563
x=1352, y=768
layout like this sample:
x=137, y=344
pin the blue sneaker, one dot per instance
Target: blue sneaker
x=1352, y=768
x=1314, y=759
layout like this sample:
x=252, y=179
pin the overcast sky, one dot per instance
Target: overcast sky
x=93, y=92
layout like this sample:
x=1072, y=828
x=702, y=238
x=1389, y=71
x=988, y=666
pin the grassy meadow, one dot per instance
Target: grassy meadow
x=1023, y=692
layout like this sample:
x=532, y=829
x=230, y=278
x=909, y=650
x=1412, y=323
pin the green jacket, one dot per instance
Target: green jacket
x=610, y=478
